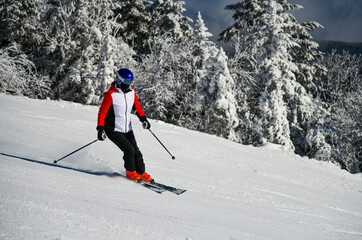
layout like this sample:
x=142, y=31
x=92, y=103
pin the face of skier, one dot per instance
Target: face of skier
x=121, y=83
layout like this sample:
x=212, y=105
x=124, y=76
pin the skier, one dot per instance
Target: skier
x=114, y=121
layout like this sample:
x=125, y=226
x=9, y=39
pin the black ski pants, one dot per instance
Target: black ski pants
x=132, y=156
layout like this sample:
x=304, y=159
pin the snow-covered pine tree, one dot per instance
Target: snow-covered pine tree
x=167, y=17
x=135, y=19
x=243, y=68
x=306, y=53
x=215, y=107
x=20, y=24
x=83, y=53
x=284, y=112
x=165, y=69
x=167, y=76
x=145, y=20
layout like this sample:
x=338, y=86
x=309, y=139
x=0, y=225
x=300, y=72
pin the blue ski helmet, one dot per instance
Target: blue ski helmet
x=124, y=75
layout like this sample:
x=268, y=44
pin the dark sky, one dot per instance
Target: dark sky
x=341, y=19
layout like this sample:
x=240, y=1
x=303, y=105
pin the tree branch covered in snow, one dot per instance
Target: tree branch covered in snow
x=18, y=75
x=341, y=91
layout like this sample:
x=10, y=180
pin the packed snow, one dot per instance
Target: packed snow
x=233, y=191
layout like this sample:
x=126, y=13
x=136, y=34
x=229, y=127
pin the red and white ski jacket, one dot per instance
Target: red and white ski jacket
x=115, y=111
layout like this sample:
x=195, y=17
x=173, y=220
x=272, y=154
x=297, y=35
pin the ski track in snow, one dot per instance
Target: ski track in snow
x=233, y=191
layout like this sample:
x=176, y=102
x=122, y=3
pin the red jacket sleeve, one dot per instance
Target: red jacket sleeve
x=106, y=103
x=137, y=106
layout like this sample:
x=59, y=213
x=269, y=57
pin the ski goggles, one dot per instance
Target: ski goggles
x=126, y=81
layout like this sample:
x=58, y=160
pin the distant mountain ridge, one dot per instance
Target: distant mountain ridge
x=351, y=47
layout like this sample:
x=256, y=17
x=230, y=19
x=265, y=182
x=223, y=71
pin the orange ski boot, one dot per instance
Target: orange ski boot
x=133, y=175
x=146, y=177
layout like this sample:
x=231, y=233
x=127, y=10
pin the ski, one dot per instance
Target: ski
x=152, y=187
x=146, y=185
x=156, y=186
x=174, y=190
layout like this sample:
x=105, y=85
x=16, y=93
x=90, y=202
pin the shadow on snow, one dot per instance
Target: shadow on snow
x=59, y=166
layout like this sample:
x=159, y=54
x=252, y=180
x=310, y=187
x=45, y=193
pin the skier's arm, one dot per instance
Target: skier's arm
x=137, y=106
x=107, y=102
x=140, y=113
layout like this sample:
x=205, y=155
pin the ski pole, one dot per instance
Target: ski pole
x=55, y=162
x=173, y=157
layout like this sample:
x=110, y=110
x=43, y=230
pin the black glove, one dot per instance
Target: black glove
x=101, y=134
x=145, y=123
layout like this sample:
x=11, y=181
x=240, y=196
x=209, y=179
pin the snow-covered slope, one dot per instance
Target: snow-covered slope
x=233, y=191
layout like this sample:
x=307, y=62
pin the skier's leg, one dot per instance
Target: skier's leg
x=139, y=163
x=128, y=151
